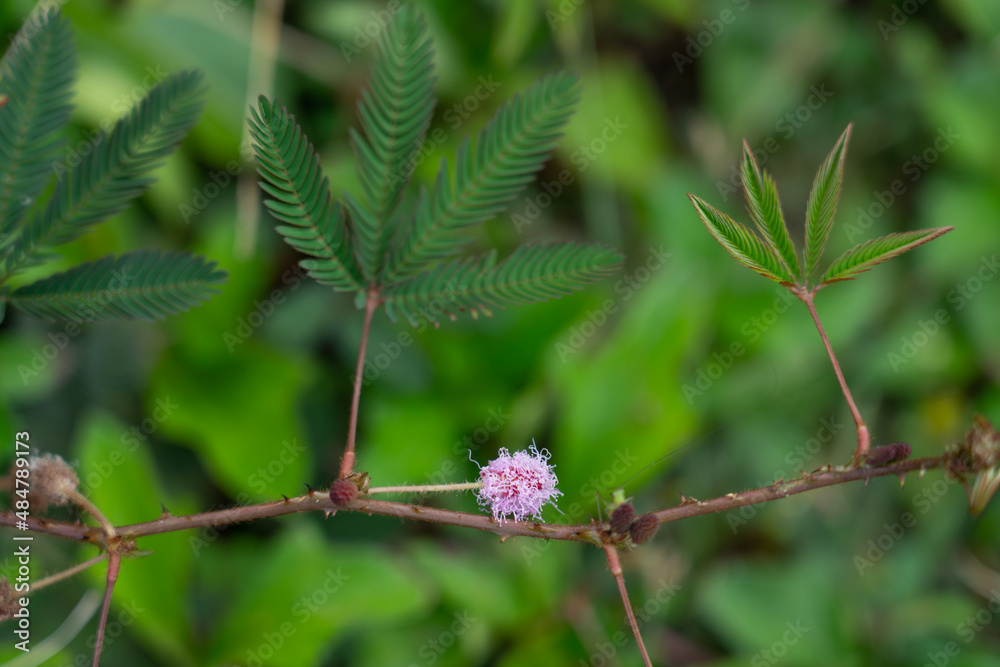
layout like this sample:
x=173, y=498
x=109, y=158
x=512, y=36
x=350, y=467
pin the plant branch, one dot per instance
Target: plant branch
x=825, y=476
x=114, y=561
x=66, y=574
x=426, y=488
x=616, y=571
x=864, y=438
x=347, y=464
x=591, y=533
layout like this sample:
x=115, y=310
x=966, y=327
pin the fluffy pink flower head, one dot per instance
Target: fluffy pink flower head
x=518, y=485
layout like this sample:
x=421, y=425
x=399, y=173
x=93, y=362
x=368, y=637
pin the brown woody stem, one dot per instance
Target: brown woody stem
x=315, y=500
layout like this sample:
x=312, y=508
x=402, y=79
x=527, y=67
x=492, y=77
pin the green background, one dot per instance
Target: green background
x=607, y=380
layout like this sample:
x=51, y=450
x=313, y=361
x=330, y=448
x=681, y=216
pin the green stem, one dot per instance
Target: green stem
x=426, y=488
x=66, y=574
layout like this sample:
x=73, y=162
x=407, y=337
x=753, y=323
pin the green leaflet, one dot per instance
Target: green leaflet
x=115, y=172
x=823, y=202
x=507, y=154
x=145, y=285
x=533, y=273
x=395, y=111
x=37, y=75
x=292, y=174
x=865, y=255
x=741, y=243
x=765, y=209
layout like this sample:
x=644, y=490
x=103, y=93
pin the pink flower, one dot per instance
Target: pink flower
x=518, y=485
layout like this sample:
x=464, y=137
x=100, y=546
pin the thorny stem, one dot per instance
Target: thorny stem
x=315, y=500
x=66, y=574
x=347, y=464
x=616, y=571
x=864, y=438
x=114, y=561
x=426, y=488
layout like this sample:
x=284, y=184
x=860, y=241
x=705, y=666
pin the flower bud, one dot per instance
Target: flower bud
x=643, y=528
x=343, y=491
x=886, y=454
x=621, y=518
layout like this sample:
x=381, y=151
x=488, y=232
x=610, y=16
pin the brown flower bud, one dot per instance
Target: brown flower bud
x=643, y=528
x=621, y=518
x=886, y=454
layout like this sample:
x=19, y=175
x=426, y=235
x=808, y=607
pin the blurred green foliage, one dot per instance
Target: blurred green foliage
x=602, y=379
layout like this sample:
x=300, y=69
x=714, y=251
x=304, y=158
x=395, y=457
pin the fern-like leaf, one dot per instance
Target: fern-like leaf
x=823, y=202
x=291, y=173
x=116, y=171
x=865, y=255
x=741, y=243
x=395, y=111
x=146, y=285
x=533, y=273
x=37, y=75
x=509, y=151
x=765, y=209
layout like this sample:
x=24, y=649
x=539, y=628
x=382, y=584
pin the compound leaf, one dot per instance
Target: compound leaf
x=823, y=202
x=147, y=285
x=37, y=75
x=291, y=173
x=116, y=171
x=507, y=154
x=741, y=243
x=395, y=111
x=533, y=273
x=865, y=255
x=765, y=209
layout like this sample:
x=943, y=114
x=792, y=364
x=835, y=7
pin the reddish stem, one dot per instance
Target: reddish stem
x=316, y=500
x=864, y=439
x=114, y=561
x=616, y=571
x=347, y=464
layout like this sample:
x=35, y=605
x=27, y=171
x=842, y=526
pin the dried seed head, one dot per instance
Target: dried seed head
x=886, y=454
x=621, y=518
x=9, y=604
x=643, y=528
x=343, y=491
x=52, y=480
